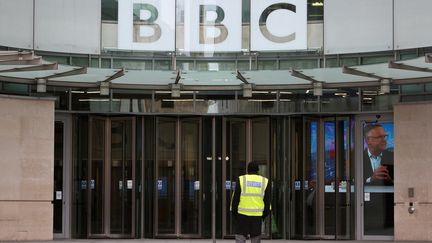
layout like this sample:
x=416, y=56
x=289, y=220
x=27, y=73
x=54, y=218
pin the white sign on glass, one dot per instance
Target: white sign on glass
x=278, y=25
x=146, y=25
x=212, y=26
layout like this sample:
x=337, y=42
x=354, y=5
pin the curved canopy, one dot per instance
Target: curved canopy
x=25, y=67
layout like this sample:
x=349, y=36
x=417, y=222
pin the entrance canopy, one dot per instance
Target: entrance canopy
x=27, y=68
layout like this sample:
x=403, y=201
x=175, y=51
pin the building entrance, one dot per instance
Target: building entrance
x=178, y=177
x=323, y=186
x=244, y=140
x=111, y=177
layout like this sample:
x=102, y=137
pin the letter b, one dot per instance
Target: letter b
x=205, y=24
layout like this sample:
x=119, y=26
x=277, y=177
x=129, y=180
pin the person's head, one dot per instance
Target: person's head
x=252, y=168
x=376, y=138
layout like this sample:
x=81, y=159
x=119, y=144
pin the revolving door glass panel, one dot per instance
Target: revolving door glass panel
x=337, y=179
x=111, y=179
x=122, y=182
x=327, y=191
x=178, y=200
x=244, y=140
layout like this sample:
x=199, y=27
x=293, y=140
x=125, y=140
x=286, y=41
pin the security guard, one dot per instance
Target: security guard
x=250, y=204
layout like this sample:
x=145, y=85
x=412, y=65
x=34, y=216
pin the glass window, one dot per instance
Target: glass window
x=94, y=62
x=412, y=88
x=216, y=66
x=80, y=61
x=297, y=101
x=299, y=63
x=137, y=101
x=162, y=65
x=267, y=65
x=110, y=10
x=260, y=102
x=339, y=100
x=331, y=62
x=349, y=61
x=89, y=100
x=378, y=178
x=315, y=10
x=372, y=100
x=133, y=64
x=215, y=102
x=12, y=88
x=164, y=103
x=62, y=97
x=58, y=59
x=105, y=63
x=377, y=59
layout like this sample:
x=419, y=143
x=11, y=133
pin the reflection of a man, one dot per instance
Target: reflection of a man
x=378, y=161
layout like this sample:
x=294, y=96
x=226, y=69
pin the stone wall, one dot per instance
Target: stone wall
x=413, y=169
x=26, y=168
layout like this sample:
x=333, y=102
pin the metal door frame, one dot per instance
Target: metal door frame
x=248, y=157
x=67, y=175
x=177, y=166
x=359, y=121
x=134, y=182
x=320, y=214
x=107, y=178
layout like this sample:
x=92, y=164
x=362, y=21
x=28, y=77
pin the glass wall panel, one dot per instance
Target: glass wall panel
x=412, y=88
x=136, y=101
x=315, y=10
x=298, y=64
x=215, y=66
x=185, y=65
x=216, y=102
x=12, y=88
x=80, y=61
x=58, y=177
x=62, y=97
x=373, y=101
x=105, y=63
x=58, y=59
x=349, y=61
x=96, y=180
x=149, y=175
x=244, y=65
x=94, y=63
x=330, y=62
x=133, y=64
x=89, y=100
x=110, y=10
x=298, y=101
x=378, y=178
x=310, y=181
x=340, y=100
x=263, y=102
x=79, y=185
x=384, y=58
x=166, y=161
x=162, y=65
x=190, y=177
x=267, y=65
x=164, y=103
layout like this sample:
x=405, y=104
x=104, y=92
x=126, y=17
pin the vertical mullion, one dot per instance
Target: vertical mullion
x=178, y=179
x=213, y=188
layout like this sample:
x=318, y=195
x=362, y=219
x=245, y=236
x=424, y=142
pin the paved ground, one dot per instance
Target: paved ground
x=206, y=241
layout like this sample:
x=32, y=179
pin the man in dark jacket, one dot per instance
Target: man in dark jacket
x=250, y=204
x=378, y=161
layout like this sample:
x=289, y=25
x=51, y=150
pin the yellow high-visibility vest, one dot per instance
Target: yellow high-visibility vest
x=252, y=195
